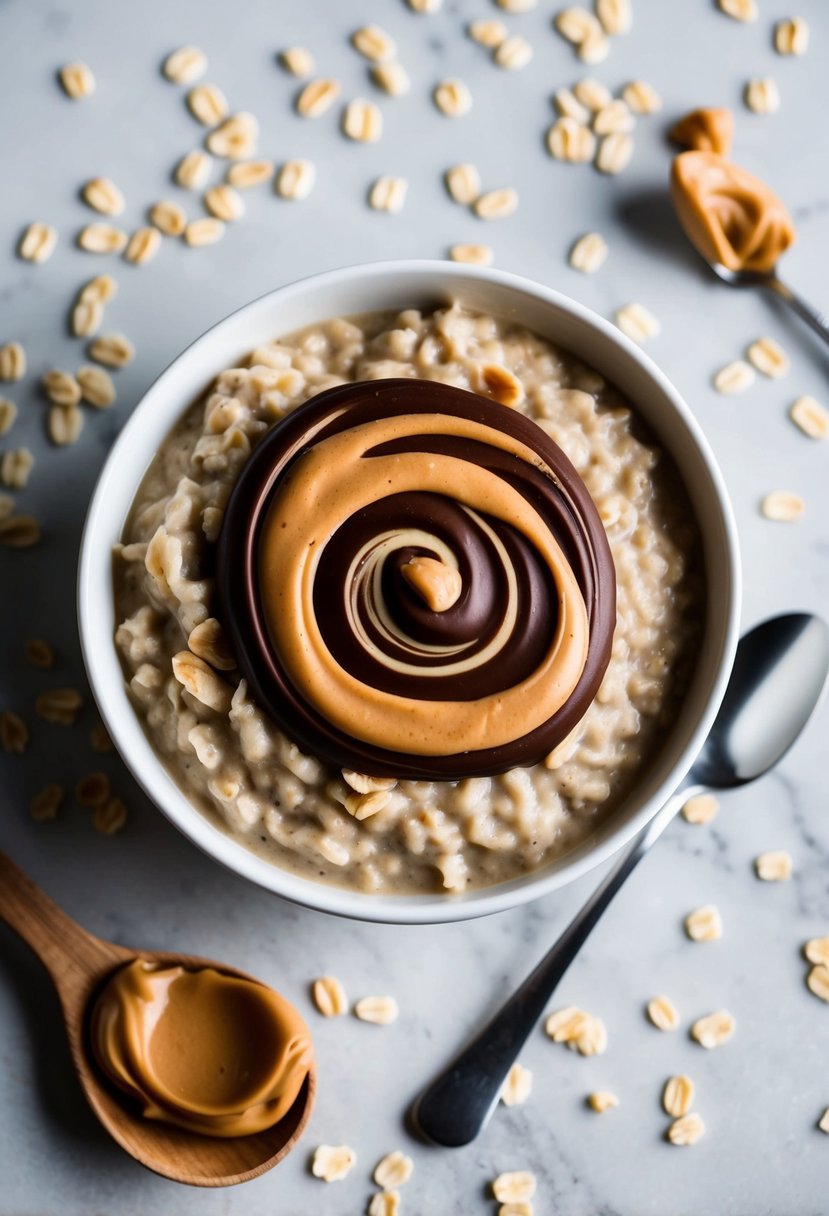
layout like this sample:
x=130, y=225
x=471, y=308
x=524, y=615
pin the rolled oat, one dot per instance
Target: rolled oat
x=235, y=138
x=246, y=174
x=637, y=322
x=762, y=95
x=517, y=1087
x=317, y=97
x=297, y=60
x=77, y=80
x=142, y=246
x=714, y=1029
x=488, y=32
x=514, y=1187
x=362, y=121
x=734, y=378
x=113, y=350
x=700, y=809
x=388, y=194
x=64, y=425
x=207, y=104
x=102, y=238
x=392, y=78
x=12, y=361
x=783, y=506
x=513, y=53
x=15, y=468
x=110, y=817
x=812, y=417
x=97, y=388
x=39, y=653
x=185, y=65
x=8, y=414
x=568, y=140
x=791, y=36
x=332, y=1162
x=453, y=98
x=704, y=924
x=774, y=867
x=602, y=1100
x=497, y=204
x=192, y=171
x=614, y=153
x=225, y=203
x=662, y=1013
x=295, y=179
x=329, y=997
x=473, y=255
x=393, y=1171
x=14, y=733
x=37, y=243
x=678, y=1096
x=45, y=805
x=380, y=1010
x=687, y=1130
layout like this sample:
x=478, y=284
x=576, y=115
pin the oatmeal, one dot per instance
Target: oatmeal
x=382, y=831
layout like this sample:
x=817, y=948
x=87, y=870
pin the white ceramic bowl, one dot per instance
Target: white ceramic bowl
x=397, y=285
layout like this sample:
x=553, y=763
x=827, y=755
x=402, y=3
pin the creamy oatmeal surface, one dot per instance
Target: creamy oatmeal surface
x=244, y=773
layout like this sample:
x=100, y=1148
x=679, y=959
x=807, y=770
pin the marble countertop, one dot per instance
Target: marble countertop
x=760, y=1095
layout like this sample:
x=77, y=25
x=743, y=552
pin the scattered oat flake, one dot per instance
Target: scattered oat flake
x=740, y=10
x=245, y=174
x=329, y=996
x=662, y=1013
x=569, y=106
x=817, y=950
x=615, y=152
x=602, y=1100
x=392, y=78
x=15, y=468
x=516, y=1209
x=384, y=1203
x=37, y=243
x=59, y=705
x=817, y=981
x=142, y=246
x=762, y=95
x=362, y=121
x=517, y=6
x=93, y=790
x=577, y=25
x=374, y=43
x=364, y=784
x=714, y=1029
x=61, y=388
x=363, y=806
x=473, y=255
x=704, y=924
x=571, y=141
x=393, y=1171
x=497, y=204
x=488, y=32
x=589, y=253
x=775, y=866
x=425, y=6
x=19, y=531
x=8, y=415
x=46, y=804
x=297, y=60
x=225, y=203
x=207, y=104
x=594, y=49
x=99, y=739
x=6, y=506
x=103, y=195
x=39, y=653
x=823, y=1122
x=77, y=80
x=235, y=138
x=332, y=1162
x=637, y=322
x=97, y=388
x=734, y=378
x=812, y=417
x=12, y=361
x=317, y=97
x=110, y=817
x=641, y=97
x=517, y=1087
x=615, y=116
x=513, y=53
x=616, y=16
x=185, y=65
x=102, y=238
x=193, y=170
x=592, y=93
x=87, y=318
x=686, y=1131
x=99, y=290
x=380, y=1010
x=791, y=36
x=463, y=183
x=14, y=733
x=514, y=1187
x=782, y=506
x=678, y=1096
x=452, y=98
x=64, y=425
x=768, y=357
x=388, y=194
x=700, y=809
x=114, y=350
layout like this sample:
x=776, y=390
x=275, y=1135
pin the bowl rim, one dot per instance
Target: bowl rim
x=133, y=744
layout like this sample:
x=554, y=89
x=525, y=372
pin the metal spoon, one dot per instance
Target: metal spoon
x=78, y=964
x=778, y=679
x=818, y=321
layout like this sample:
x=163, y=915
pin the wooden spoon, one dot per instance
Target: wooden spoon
x=78, y=964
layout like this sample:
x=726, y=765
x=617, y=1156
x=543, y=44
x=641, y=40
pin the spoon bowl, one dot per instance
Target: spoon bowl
x=79, y=965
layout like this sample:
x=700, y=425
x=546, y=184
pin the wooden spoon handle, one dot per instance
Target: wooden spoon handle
x=73, y=957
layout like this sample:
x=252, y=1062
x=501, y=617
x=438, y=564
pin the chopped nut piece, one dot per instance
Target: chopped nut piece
x=59, y=705
x=393, y=1171
x=569, y=106
x=514, y=1187
x=791, y=36
x=193, y=170
x=185, y=65
x=110, y=817
x=473, y=255
x=374, y=44
x=384, y=1203
x=568, y=140
x=363, y=806
x=811, y=417
x=762, y=95
x=817, y=950
x=817, y=981
x=236, y=138
x=100, y=740
x=317, y=97
x=87, y=318
x=589, y=253
x=39, y=653
x=99, y=290
x=362, y=121
x=823, y=1122
x=513, y=53
x=246, y=174
x=143, y=245
x=8, y=414
x=463, y=183
x=61, y=388
x=392, y=78
x=114, y=350
x=662, y=1013
x=769, y=358
x=708, y=129
x=388, y=194
x=616, y=16
x=329, y=997
x=641, y=97
x=14, y=733
x=453, y=98
x=77, y=80
x=517, y=1087
x=637, y=322
x=714, y=1029
x=297, y=60
x=19, y=531
x=12, y=361
x=332, y=1162
x=380, y=1010
x=783, y=506
x=207, y=104
x=225, y=203
x=296, y=179
x=497, y=204
x=15, y=468
x=686, y=1131
x=700, y=809
x=97, y=388
x=774, y=867
x=64, y=425
x=37, y=243
x=602, y=1100
x=678, y=1096
x=102, y=238
x=46, y=804
x=488, y=32
x=199, y=679
x=502, y=384
x=704, y=925
x=614, y=153
x=740, y=10
x=615, y=116
x=592, y=94
x=577, y=25
x=734, y=378
x=93, y=789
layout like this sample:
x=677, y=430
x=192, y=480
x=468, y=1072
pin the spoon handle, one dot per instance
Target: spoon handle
x=72, y=956
x=818, y=321
x=457, y=1105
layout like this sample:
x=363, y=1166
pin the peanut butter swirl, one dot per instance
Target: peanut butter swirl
x=417, y=582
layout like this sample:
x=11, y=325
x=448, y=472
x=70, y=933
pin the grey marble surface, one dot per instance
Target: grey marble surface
x=760, y=1095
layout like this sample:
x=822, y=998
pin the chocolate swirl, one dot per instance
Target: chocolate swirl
x=348, y=514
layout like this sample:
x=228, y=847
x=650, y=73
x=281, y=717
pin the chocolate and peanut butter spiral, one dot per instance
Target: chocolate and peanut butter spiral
x=417, y=582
